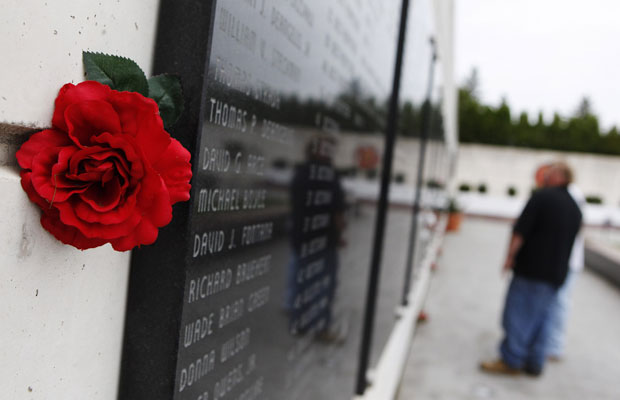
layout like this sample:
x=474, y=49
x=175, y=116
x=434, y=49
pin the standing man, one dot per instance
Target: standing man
x=538, y=256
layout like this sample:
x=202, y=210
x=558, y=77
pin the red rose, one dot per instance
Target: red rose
x=107, y=171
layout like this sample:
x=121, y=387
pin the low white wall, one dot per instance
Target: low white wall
x=61, y=309
x=501, y=167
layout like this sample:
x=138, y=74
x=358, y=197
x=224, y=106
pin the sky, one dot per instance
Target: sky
x=542, y=55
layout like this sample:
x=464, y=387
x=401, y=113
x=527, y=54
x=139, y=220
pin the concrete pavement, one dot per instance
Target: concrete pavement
x=464, y=305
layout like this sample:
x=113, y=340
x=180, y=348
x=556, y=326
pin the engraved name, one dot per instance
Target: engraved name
x=216, y=160
x=237, y=30
x=253, y=269
x=256, y=233
x=254, y=391
x=321, y=173
x=235, y=345
x=286, y=28
x=197, y=370
x=316, y=222
x=230, y=381
x=313, y=246
x=311, y=270
x=231, y=312
x=208, y=243
x=258, y=298
x=198, y=329
x=231, y=199
x=209, y=284
x=227, y=115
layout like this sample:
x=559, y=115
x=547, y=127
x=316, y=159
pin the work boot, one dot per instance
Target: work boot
x=498, y=367
x=533, y=370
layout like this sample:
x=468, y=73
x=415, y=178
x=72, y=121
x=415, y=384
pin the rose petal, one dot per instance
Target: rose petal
x=153, y=200
x=140, y=119
x=95, y=171
x=87, y=119
x=100, y=164
x=89, y=164
x=98, y=153
x=103, y=197
x=96, y=230
x=39, y=141
x=86, y=213
x=120, y=167
x=110, y=173
x=145, y=233
x=68, y=234
x=131, y=151
x=70, y=94
x=46, y=182
x=29, y=189
x=176, y=171
x=60, y=172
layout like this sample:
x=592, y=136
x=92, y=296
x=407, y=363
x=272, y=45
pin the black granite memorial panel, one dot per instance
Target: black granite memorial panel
x=414, y=87
x=261, y=294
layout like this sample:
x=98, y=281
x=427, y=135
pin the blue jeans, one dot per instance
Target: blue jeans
x=558, y=316
x=526, y=323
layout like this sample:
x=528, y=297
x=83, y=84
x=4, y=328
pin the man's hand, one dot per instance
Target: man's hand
x=516, y=241
x=508, y=264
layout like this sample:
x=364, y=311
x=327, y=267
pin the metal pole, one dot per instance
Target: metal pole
x=375, y=265
x=425, y=129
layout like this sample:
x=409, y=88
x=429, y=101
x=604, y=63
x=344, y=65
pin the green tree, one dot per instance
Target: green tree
x=482, y=123
x=409, y=121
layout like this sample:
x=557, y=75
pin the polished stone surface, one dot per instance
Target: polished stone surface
x=464, y=305
x=269, y=211
x=258, y=286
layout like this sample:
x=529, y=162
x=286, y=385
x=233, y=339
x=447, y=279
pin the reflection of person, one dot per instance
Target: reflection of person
x=538, y=255
x=560, y=308
x=317, y=203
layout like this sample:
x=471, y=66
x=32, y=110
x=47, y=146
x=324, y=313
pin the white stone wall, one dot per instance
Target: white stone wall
x=498, y=167
x=501, y=167
x=406, y=152
x=61, y=309
x=42, y=44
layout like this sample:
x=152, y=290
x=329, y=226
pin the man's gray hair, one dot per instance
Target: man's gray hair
x=563, y=168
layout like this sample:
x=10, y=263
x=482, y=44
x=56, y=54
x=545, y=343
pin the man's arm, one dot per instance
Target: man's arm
x=523, y=227
x=516, y=241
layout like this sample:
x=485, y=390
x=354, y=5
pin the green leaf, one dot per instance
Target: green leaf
x=166, y=91
x=119, y=73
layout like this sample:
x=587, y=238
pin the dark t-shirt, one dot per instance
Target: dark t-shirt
x=549, y=223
